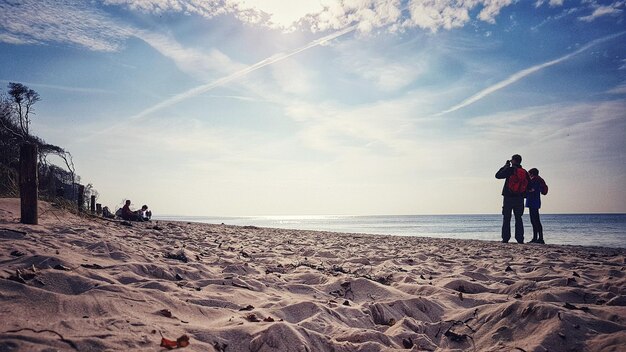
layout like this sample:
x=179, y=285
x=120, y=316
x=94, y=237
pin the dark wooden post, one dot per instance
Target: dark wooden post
x=81, y=198
x=98, y=208
x=28, y=184
x=93, y=204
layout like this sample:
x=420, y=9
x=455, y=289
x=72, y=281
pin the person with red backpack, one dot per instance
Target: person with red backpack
x=536, y=187
x=514, y=191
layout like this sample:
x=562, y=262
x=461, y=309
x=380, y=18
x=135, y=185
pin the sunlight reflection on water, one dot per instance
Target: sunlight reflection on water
x=607, y=230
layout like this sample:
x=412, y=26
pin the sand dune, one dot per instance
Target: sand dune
x=78, y=283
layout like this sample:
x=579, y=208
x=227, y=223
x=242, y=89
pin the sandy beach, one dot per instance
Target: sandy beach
x=85, y=284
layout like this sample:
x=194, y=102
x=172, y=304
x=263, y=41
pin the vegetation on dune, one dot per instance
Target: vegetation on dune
x=55, y=182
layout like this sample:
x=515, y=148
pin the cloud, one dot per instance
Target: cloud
x=492, y=9
x=236, y=97
x=425, y=14
x=74, y=22
x=389, y=127
x=619, y=90
x=330, y=154
x=272, y=13
x=602, y=10
x=367, y=14
x=563, y=14
x=587, y=132
x=552, y=3
x=388, y=70
x=433, y=15
x=68, y=22
x=293, y=78
x=280, y=13
x=325, y=15
x=15, y=39
x=189, y=60
x=523, y=73
x=389, y=76
x=241, y=73
x=206, y=8
x=80, y=23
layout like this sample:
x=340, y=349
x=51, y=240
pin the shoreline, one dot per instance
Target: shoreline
x=103, y=285
x=610, y=232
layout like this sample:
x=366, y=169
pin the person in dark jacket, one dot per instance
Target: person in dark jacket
x=130, y=215
x=512, y=202
x=536, y=187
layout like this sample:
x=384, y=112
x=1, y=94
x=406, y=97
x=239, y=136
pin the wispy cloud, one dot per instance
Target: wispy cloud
x=562, y=127
x=44, y=21
x=390, y=127
x=619, y=90
x=552, y=3
x=523, y=73
x=189, y=60
x=241, y=73
x=603, y=10
x=236, y=97
x=294, y=78
x=563, y=14
x=76, y=23
x=15, y=39
x=384, y=71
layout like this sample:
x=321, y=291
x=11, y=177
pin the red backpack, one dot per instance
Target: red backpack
x=518, y=181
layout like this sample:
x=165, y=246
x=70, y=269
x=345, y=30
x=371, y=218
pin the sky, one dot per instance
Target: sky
x=329, y=107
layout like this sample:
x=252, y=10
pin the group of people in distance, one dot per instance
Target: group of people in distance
x=520, y=184
x=137, y=215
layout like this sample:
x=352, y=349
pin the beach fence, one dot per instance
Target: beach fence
x=28, y=184
x=54, y=184
x=80, y=198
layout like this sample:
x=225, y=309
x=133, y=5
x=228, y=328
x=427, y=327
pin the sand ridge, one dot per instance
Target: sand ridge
x=77, y=283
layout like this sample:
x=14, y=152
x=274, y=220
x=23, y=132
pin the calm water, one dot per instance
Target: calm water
x=607, y=230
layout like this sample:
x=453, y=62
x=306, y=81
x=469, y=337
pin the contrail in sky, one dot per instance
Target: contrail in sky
x=523, y=73
x=221, y=81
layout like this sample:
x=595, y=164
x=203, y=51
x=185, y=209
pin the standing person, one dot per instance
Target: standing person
x=514, y=191
x=536, y=187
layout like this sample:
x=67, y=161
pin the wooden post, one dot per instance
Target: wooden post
x=93, y=204
x=98, y=208
x=28, y=184
x=81, y=198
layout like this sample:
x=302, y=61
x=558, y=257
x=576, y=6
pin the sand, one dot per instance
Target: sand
x=82, y=284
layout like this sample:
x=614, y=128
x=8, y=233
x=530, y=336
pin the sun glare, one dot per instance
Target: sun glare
x=283, y=13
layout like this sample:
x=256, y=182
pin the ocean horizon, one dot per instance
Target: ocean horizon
x=604, y=230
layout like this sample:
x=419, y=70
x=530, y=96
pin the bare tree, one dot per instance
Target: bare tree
x=8, y=126
x=69, y=163
x=22, y=101
x=16, y=109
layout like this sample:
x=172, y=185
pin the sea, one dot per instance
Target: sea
x=604, y=230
